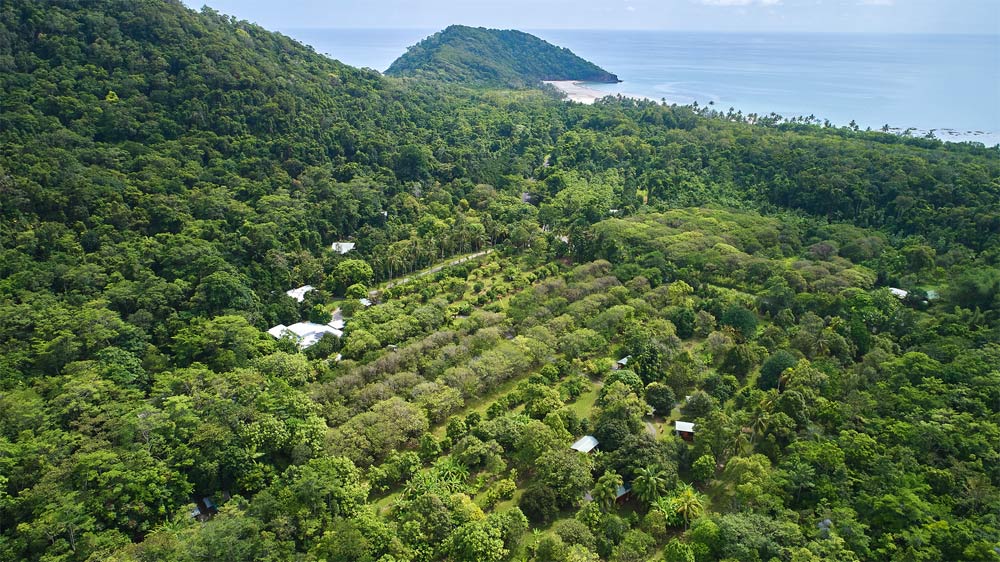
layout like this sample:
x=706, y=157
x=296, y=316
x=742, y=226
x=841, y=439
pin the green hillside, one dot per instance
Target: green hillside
x=495, y=57
x=167, y=175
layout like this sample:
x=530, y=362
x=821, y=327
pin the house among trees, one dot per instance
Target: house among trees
x=365, y=302
x=299, y=293
x=585, y=444
x=305, y=333
x=621, y=363
x=684, y=429
x=204, y=509
x=898, y=293
x=342, y=247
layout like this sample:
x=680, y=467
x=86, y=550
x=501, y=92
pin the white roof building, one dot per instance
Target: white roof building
x=299, y=294
x=306, y=333
x=342, y=247
x=898, y=293
x=365, y=302
x=278, y=331
x=585, y=444
x=684, y=427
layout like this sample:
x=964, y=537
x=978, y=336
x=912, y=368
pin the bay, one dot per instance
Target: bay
x=948, y=84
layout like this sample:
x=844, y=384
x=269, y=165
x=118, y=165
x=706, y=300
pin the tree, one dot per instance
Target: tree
x=606, y=490
x=626, y=377
x=222, y=343
x=574, y=532
x=684, y=319
x=319, y=314
x=742, y=320
x=700, y=404
x=618, y=403
x=414, y=163
x=539, y=503
x=371, y=435
x=579, y=553
x=676, y=551
x=741, y=358
x=688, y=504
x=550, y=548
x=660, y=397
x=636, y=546
x=773, y=367
x=348, y=273
x=748, y=479
x=312, y=495
x=703, y=469
x=567, y=472
x=359, y=343
x=476, y=541
x=650, y=484
x=977, y=288
x=225, y=292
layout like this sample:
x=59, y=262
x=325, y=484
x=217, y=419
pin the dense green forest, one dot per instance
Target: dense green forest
x=167, y=175
x=506, y=58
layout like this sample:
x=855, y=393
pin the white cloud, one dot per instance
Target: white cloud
x=876, y=2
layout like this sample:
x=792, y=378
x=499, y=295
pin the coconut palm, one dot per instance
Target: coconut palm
x=689, y=504
x=606, y=489
x=650, y=484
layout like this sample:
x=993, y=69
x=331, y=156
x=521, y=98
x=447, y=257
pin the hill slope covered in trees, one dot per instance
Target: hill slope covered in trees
x=495, y=57
x=166, y=175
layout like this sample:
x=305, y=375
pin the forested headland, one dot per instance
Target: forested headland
x=821, y=303
x=494, y=57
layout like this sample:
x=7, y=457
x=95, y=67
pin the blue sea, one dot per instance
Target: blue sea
x=948, y=84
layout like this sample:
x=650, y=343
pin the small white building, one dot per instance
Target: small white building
x=342, y=247
x=684, y=429
x=585, y=444
x=365, y=302
x=898, y=293
x=299, y=294
x=621, y=363
x=305, y=333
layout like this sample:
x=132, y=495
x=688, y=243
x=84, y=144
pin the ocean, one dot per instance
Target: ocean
x=948, y=84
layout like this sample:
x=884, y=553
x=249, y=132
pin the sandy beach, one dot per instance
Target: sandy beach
x=576, y=91
x=579, y=92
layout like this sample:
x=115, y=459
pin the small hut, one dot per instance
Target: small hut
x=685, y=430
x=585, y=444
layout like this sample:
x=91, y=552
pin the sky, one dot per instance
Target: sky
x=879, y=16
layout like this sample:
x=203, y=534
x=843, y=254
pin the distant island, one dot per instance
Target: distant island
x=495, y=57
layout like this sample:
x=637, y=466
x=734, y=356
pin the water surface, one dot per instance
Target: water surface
x=949, y=83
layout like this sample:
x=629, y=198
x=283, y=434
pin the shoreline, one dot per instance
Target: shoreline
x=578, y=91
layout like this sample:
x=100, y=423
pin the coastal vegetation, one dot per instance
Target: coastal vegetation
x=822, y=304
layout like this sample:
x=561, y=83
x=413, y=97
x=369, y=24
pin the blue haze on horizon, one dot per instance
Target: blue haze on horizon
x=904, y=76
x=872, y=16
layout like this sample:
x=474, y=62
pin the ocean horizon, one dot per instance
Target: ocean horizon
x=948, y=84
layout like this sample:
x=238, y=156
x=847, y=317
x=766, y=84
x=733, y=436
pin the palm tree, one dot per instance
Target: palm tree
x=689, y=504
x=451, y=473
x=650, y=484
x=761, y=417
x=801, y=476
x=607, y=488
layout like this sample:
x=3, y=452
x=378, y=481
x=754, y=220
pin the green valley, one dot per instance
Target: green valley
x=628, y=332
